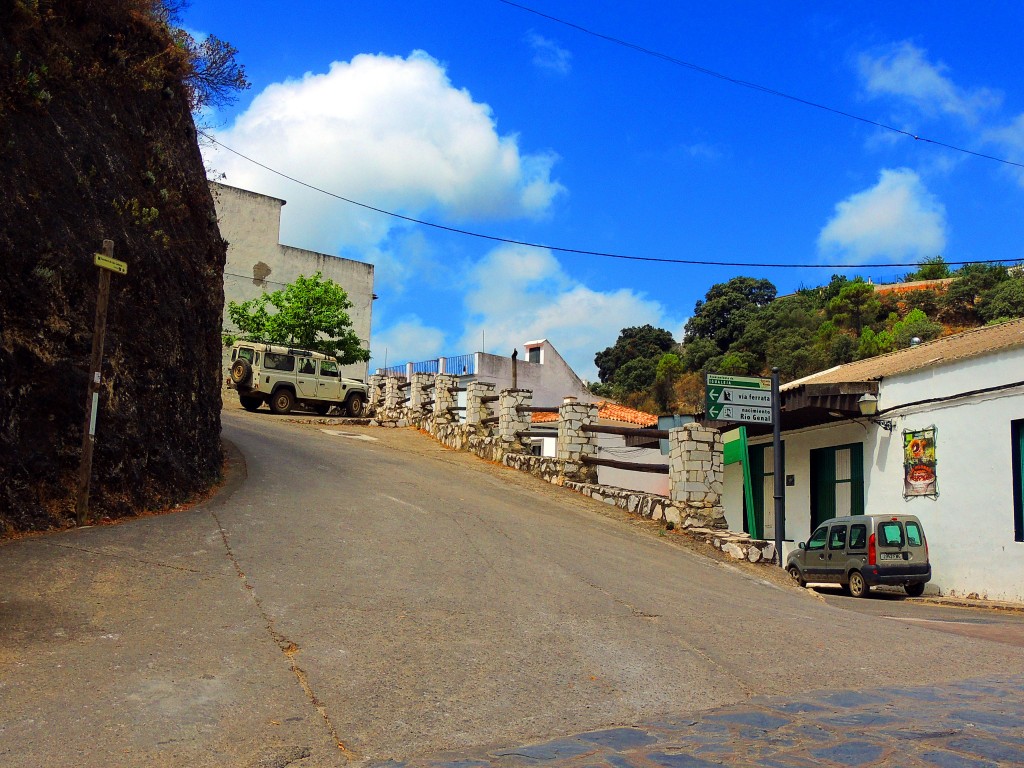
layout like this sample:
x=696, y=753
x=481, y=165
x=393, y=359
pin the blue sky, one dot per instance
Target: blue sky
x=482, y=116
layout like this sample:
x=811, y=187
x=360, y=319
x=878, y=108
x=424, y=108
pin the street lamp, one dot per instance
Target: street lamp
x=868, y=405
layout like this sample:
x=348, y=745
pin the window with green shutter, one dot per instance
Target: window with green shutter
x=837, y=482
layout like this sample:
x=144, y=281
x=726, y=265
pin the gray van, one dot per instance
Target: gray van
x=862, y=551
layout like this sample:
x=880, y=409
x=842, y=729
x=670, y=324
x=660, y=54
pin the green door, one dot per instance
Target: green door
x=762, y=481
x=837, y=482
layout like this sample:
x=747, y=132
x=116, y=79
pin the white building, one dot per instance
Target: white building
x=540, y=368
x=947, y=445
x=258, y=263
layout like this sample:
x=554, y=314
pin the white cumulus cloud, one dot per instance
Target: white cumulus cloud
x=517, y=294
x=898, y=218
x=1010, y=140
x=903, y=70
x=407, y=339
x=388, y=131
x=547, y=54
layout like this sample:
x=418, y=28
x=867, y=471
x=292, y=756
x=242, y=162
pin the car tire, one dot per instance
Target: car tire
x=856, y=584
x=282, y=401
x=241, y=372
x=250, y=403
x=354, y=405
x=914, y=590
x=795, y=573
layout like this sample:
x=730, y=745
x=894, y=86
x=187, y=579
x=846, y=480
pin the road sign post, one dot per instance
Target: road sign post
x=779, y=466
x=752, y=400
x=107, y=264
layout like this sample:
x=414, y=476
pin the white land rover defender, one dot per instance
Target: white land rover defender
x=282, y=377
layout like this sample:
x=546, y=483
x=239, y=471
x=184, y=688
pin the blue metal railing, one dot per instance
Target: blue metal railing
x=427, y=366
x=457, y=365
x=461, y=365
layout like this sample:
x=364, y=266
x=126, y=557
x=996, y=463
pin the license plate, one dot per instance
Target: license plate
x=890, y=556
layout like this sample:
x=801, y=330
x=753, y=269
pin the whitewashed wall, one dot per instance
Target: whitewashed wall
x=970, y=525
x=614, y=447
x=551, y=381
x=250, y=223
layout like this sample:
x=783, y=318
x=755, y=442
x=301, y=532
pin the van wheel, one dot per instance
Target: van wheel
x=250, y=403
x=282, y=401
x=914, y=590
x=795, y=573
x=857, y=586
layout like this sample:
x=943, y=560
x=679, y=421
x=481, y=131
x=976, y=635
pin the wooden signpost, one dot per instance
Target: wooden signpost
x=107, y=264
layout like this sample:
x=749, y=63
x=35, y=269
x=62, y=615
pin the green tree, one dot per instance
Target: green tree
x=310, y=313
x=635, y=375
x=669, y=370
x=1003, y=302
x=871, y=344
x=697, y=352
x=915, y=325
x=855, y=306
x=643, y=341
x=959, y=302
x=933, y=268
x=727, y=308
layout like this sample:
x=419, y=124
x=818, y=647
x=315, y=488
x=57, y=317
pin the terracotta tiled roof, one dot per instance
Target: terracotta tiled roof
x=610, y=412
x=958, y=346
x=615, y=412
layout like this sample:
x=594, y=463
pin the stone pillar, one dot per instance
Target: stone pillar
x=408, y=371
x=443, y=399
x=477, y=411
x=696, y=468
x=374, y=392
x=391, y=394
x=441, y=365
x=416, y=385
x=510, y=421
x=573, y=443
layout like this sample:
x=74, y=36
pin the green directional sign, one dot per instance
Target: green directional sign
x=745, y=399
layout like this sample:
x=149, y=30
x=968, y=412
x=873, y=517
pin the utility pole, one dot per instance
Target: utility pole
x=779, y=467
x=107, y=264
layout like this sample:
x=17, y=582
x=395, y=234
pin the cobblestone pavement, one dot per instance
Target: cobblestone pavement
x=970, y=724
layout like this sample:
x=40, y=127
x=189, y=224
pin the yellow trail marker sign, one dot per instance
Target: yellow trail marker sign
x=107, y=262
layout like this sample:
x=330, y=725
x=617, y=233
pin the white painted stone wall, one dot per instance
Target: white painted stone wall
x=257, y=262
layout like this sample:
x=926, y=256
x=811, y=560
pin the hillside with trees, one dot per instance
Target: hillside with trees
x=742, y=327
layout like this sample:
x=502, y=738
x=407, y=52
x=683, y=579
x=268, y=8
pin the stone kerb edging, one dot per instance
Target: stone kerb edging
x=706, y=524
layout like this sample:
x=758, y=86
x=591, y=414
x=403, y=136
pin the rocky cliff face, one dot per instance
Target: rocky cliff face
x=97, y=141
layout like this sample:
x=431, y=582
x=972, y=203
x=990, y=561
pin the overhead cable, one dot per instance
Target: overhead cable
x=756, y=86
x=581, y=251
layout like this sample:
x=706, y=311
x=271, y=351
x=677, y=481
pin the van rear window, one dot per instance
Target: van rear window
x=858, y=536
x=890, y=534
x=914, y=535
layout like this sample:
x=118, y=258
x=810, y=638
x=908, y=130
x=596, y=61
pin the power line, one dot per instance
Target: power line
x=755, y=86
x=580, y=251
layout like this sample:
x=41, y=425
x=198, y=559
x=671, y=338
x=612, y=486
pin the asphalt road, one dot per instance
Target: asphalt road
x=369, y=595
